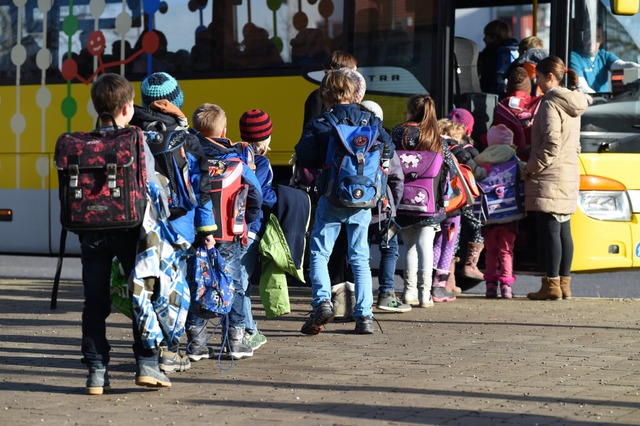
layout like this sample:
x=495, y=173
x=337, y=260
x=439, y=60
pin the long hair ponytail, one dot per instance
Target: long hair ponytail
x=421, y=109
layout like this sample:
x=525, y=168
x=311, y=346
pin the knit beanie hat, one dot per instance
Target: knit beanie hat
x=374, y=107
x=462, y=116
x=161, y=85
x=499, y=135
x=358, y=81
x=255, y=126
x=519, y=80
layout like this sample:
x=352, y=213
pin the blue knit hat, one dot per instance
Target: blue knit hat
x=161, y=85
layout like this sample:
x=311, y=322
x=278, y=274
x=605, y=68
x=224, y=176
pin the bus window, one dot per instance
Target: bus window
x=601, y=44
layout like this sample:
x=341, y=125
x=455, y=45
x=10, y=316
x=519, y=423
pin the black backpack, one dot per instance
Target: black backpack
x=169, y=151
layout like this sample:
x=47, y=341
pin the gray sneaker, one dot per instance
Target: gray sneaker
x=390, y=302
x=97, y=381
x=254, y=340
x=238, y=350
x=151, y=377
x=204, y=352
x=343, y=300
x=173, y=361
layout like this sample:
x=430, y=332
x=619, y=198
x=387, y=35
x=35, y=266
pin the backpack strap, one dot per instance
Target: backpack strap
x=56, y=279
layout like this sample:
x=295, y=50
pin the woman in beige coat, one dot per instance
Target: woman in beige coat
x=552, y=178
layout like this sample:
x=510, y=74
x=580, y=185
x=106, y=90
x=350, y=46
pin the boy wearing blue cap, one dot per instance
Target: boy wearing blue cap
x=162, y=100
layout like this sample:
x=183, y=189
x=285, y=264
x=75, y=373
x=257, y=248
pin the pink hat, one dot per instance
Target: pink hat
x=462, y=116
x=499, y=135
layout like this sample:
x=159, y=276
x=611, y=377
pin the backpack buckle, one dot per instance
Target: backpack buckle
x=111, y=175
x=74, y=173
x=360, y=158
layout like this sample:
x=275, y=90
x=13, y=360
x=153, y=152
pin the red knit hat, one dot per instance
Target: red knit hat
x=462, y=116
x=255, y=126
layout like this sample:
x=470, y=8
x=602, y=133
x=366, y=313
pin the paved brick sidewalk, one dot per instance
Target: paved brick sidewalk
x=472, y=362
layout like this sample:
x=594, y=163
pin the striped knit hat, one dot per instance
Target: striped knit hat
x=161, y=85
x=255, y=126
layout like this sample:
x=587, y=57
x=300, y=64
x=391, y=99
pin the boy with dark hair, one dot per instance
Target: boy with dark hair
x=112, y=94
x=210, y=126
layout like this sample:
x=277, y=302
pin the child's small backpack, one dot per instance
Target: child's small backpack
x=169, y=152
x=501, y=197
x=352, y=175
x=425, y=183
x=229, y=198
x=463, y=188
x=212, y=292
x=102, y=178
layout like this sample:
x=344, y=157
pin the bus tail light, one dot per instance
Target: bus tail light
x=6, y=215
x=604, y=199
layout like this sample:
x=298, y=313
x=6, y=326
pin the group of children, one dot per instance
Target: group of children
x=429, y=232
x=430, y=239
x=205, y=140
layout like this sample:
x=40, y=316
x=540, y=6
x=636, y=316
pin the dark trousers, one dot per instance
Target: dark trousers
x=97, y=252
x=556, y=245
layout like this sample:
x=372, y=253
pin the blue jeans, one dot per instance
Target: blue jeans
x=388, y=261
x=325, y=231
x=248, y=260
x=195, y=325
x=97, y=252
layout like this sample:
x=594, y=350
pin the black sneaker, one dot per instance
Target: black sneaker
x=320, y=316
x=364, y=325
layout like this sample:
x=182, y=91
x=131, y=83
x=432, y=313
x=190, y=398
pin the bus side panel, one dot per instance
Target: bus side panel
x=592, y=249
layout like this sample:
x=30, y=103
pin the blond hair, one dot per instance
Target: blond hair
x=262, y=147
x=337, y=87
x=452, y=129
x=210, y=120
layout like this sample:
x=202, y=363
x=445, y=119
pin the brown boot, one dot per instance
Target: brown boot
x=550, y=290
x=451, y=281
x=565, y=283
x=470, y=269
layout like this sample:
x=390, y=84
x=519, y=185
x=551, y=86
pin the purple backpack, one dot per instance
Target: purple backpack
x=501, y=197
x=425, y=181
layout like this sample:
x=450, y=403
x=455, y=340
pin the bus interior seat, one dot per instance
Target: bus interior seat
x=466, y=56
x=467, y=92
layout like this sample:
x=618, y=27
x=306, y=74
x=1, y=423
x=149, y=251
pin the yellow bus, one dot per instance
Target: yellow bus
x=268, y=54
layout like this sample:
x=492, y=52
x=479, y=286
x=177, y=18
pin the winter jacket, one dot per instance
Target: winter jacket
x=264, y=173
x=465, y=154
x=202, y=216
x=282, y=247
x=159, y=288
x=223, y=148
x=311, y=149
x=553, y=177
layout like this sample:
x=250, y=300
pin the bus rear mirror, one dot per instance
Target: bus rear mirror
x=624, y=7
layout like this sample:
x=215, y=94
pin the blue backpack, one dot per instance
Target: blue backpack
x=212, y=289
x=501, y=197
x=169, y=153
x=212, y=292
x=352, y=175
